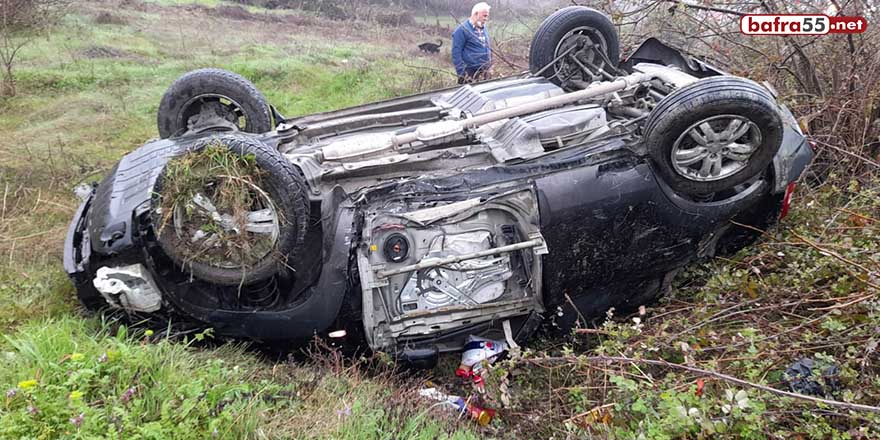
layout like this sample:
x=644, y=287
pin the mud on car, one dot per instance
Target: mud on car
x=583, y=184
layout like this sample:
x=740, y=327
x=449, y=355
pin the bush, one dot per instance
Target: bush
x=108, y=18
x=398, y=18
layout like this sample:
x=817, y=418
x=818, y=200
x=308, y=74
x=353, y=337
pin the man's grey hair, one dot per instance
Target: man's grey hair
x=480, y=7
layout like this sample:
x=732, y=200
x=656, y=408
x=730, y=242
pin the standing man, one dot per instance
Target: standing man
x=470, y=46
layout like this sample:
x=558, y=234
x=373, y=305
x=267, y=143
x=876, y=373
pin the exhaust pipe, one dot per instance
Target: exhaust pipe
x=358, y=146
x=442, y=129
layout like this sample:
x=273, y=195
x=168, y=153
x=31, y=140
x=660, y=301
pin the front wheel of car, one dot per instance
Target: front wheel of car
x=713, y=134
x=231, y=210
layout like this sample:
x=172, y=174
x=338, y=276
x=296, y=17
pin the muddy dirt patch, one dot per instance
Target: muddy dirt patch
x=109, y=18
x=93, y=52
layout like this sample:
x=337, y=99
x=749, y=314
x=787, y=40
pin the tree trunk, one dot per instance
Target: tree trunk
x=8, y=81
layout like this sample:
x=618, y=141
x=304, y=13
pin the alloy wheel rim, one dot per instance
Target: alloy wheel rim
x=259, y=227
x=715, y=148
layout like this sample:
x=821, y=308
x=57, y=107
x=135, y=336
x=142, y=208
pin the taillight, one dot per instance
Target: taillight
x=786, y=201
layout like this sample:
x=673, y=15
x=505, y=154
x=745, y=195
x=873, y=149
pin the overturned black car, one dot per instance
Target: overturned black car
x=476, y=210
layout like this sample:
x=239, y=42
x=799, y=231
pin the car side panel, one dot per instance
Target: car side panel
x=615, y=221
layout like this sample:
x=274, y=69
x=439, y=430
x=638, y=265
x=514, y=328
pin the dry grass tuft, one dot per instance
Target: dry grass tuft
x=229, y=181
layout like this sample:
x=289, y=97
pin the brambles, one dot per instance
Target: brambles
x=829, y=81
x=750, y=317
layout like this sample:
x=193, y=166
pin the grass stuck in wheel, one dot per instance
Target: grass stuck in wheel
x=212, y=208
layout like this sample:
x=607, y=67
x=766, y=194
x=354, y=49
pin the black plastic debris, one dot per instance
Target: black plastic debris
x=811, y=377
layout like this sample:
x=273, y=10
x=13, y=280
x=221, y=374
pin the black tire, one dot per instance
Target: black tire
x=716, y=101
x=240, y=99
x=88, y=296
x=283, y=184
x=555, y=27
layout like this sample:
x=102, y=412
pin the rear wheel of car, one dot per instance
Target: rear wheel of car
x=713, y=134
x=231, y=210
x=586, y=37
x=213, y=97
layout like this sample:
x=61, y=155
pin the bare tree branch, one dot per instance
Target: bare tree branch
x=724, y=377
x=706, y=8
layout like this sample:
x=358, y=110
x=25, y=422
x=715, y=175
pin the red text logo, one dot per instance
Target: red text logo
x=800, y=24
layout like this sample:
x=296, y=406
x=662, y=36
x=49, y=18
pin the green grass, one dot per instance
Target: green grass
x=128, y=386
x=66, y=377
x=33, y=295
x=75, y=115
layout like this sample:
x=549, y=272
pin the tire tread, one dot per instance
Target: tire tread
x=711, y=95
x=288, y=187
x=209, y=80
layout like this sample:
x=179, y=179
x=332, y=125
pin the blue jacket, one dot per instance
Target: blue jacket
x=469, y=52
